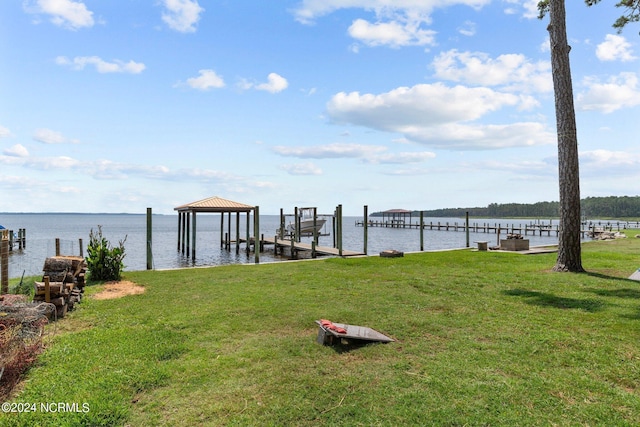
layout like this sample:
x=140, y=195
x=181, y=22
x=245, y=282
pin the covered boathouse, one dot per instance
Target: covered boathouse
x=187, y=223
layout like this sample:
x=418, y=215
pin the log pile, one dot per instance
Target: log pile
x=62, y=283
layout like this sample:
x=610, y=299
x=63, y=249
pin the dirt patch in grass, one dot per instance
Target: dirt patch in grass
x=113, y=290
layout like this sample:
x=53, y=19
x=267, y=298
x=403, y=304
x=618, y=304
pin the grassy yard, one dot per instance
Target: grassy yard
x=483, y=338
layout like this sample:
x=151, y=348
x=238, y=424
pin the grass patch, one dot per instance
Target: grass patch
x=483, y=338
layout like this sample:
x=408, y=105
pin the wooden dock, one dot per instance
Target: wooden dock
x=524, y=229
x=281, y=244
x=18, y=239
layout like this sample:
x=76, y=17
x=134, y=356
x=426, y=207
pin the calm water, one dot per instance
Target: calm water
x=43, y=229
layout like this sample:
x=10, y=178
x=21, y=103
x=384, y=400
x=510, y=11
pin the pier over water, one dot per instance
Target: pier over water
x=532, y=228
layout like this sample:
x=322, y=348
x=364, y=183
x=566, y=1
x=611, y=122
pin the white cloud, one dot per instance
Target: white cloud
x=397, y=22
x=619, y=92
x=615, y=161
x=182, y=15
x=530, y=9
x=208, y=79
x=4, y=132
x=513, y=71
x=402, y=158
x=373, y=154
x=467, y=29
x=275, y=83
x=458, y=136
x=117, y=66
x=437, y=115
x=301, y=169
x=110, y=170
x=614, y=48
x=420, y=105
x=394, y=34
x=17, y=150
x=309, y=10
x=49, y=136
x=63, y=13
x=329, y=151
x=611, y=158
x=525, y=168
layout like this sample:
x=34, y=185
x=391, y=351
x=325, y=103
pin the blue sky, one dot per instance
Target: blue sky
x=116, y=106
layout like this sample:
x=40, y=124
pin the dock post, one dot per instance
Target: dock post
x=421, y=231
x=149, y=232
x=24, y=239
x=247, y=234
x=237, y=233
x=193, y=245
x=4, y=261
x=256, y=233
x=188, y=236
x=334, y=227
x=183, y=233
x=466, y=227
x=81, y=246
x=184, y=230
x=315, y=225
x=229, y=232
x=179, y=221
x=313, y=249
x=339, y=230
x=365, y=225
x=47, y=289
x=221, y=230
x=57, y=246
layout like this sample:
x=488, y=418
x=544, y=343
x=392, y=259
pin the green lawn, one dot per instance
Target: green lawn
x=483, y=338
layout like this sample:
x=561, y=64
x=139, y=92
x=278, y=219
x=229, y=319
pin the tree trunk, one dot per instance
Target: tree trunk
x=569, y=250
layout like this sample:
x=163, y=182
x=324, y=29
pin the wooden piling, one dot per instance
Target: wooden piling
x=228, y=247
x=179, y=223
x=256, y=232
x=149, y=236
x=339, y=229
x=247, y=234
x=237, y=233
x=421, y=230
x=188, y=235
x=47, y=289
x=4, y=263
x=467, y=227
x=193, y=240
x=365, y=226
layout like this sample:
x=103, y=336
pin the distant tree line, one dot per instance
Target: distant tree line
x=591, y=207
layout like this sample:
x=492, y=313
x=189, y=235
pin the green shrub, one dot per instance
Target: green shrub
x=104, y=261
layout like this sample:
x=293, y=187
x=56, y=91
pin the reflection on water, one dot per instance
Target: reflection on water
x=43, y=229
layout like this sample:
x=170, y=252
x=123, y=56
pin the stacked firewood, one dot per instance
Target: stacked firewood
x=62, y=283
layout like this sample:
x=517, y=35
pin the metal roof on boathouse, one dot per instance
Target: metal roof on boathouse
x=214, y=204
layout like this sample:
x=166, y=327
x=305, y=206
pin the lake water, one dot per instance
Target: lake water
x=43, y=229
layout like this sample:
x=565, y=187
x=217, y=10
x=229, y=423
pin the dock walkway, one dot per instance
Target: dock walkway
x=526, y=229
x=302, y=246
